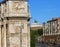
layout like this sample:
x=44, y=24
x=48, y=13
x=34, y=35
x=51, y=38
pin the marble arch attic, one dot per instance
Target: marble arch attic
x=14, y=23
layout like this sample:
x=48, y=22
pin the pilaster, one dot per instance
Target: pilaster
x=4, y=33
x=28, y=36
x=0, y=33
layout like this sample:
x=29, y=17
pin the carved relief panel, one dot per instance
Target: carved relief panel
x=17, y=33
x=15, y=29
x=14, y=34
x=14, y=41
x=18, y=7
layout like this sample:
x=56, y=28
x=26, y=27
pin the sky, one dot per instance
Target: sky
x=44, y=10
x=1, y=0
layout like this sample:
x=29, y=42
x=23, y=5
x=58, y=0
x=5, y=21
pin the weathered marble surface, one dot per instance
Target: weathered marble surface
x=14, y=24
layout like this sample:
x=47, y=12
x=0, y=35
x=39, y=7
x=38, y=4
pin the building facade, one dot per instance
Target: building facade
x=51, y=30
x=36, y=26
x=14, y=23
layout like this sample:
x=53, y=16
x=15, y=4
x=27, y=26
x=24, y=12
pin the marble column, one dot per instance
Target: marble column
x=49, y=28
x=28, y=38
x=0, y=35
x=4, y=32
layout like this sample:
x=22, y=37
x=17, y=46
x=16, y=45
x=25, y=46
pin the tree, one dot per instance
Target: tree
x=34, y=34
x=35, y=21
x=40, y=32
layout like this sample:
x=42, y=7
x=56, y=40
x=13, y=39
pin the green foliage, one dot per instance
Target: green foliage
x=34, y=34
x=40, y=31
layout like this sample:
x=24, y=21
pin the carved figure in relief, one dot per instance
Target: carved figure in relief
x=18, y=6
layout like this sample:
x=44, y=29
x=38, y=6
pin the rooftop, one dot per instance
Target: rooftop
x=36, y=25
x=53, y=19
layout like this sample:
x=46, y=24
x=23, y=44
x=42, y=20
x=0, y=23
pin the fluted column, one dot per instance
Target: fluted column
x=4, y=31
x=0, y=34
x=49, y=28
x=28, y=38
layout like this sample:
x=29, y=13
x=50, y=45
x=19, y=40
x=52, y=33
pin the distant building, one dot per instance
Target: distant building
x=36, y=26
x=51, y=29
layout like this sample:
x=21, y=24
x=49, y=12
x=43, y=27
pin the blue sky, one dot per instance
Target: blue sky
x=44, y=10
x=1, y=0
